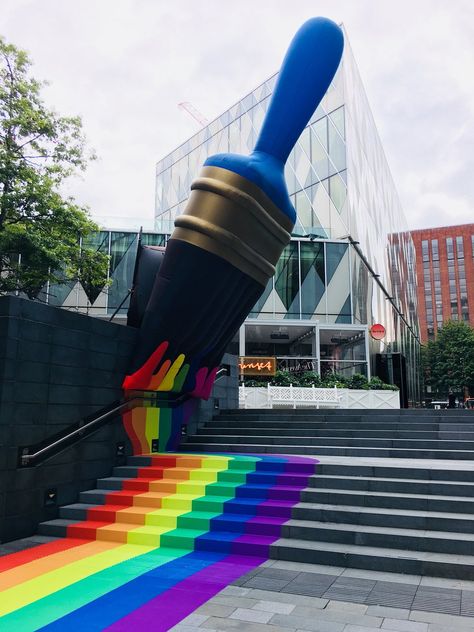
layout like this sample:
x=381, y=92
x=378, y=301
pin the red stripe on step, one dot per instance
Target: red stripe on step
x=37, y=552
x=123, y=497
x=106, y=513
x=86, y=529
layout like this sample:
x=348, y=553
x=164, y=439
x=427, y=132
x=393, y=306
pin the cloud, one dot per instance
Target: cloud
x=124, y=65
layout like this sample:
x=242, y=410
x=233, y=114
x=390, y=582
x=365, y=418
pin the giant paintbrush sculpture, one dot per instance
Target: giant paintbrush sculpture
x=225, y=246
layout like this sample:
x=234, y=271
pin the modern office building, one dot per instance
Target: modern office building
x=351, y=260
x=445, y=275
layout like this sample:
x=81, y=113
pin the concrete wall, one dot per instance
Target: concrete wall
x=55, y=368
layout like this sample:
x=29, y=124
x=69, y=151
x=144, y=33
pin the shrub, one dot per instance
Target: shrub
x=285, y=378
x=358, y=381
x=377, y=384
x=308, y=378
x=334, y=379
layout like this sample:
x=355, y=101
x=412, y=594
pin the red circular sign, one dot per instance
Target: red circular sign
x=377, y=332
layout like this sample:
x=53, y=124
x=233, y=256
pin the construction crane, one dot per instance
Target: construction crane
x=191, y=110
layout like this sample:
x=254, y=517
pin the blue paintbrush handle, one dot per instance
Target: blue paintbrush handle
x=307, y=70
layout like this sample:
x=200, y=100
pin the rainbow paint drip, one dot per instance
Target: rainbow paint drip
x=177, y=531
x=145, y=423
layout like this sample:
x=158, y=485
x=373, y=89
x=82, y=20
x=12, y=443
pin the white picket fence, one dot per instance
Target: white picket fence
x=312, y=397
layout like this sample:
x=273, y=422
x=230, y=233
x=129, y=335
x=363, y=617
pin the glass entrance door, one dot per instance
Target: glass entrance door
x=343, y=351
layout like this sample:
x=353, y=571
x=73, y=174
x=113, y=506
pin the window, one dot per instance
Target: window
x=434, y=250
x=450, y=248
x=459, y=248
x=424, y=249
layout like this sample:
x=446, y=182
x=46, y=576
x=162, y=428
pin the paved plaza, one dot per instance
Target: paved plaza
x=294, y=597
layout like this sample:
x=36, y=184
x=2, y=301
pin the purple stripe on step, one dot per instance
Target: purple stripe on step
x=166, y=610
x=250, y=544
x=265, y=525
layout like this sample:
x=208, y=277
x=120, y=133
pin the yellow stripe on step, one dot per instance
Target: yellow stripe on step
x=152, y=425
x=198, y=489
x=147, y=536
x=163, y=518
x=179, y=501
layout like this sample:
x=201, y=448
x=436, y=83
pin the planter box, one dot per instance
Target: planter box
x=257, y=397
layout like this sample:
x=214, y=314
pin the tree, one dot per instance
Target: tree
x=449, y=360
x=40, y=229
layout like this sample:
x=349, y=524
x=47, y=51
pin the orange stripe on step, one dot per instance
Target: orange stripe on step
x=116, y=532
x=134, y=515
x=37, y=552
x=150, y=499
x=38, y=567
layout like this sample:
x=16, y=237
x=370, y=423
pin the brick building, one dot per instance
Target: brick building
x=445, y=276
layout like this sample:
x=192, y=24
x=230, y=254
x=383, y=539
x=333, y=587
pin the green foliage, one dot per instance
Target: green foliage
x=334, y=379
x=307, y=379
x=376, y=384
x=448, y=361
x=359, y=381
x=285, y=378
x=40, y=229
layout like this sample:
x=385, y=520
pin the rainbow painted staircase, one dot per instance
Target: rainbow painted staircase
x=152, y=543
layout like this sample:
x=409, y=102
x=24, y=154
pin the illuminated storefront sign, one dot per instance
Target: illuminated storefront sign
x=250, y=365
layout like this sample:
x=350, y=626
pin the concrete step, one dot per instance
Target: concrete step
x=408, y=471
x=404, y=412
x=205, y=520
x=141, y=478
x=339, y=425
x=396, y=485
x=459, y=504
x=386, y=537
x=374, y=558
x=295, y=439
x=287, y=487
x=284, y=448
x=56, y=528
x=381, y=416
x=350, y=433
x=381, y=517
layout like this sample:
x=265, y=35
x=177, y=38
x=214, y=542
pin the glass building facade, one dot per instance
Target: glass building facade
x=351, y=261
x=121, y=247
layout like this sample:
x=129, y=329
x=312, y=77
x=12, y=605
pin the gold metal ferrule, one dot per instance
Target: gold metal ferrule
x=234, y=219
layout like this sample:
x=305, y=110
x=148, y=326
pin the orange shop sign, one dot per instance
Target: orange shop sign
x=250, y=365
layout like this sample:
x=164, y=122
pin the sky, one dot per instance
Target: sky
x=124, y=65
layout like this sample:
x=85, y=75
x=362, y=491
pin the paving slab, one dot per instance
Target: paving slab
x=404, y=625
x=274, y=607
x=384, y=612
x=252, y=615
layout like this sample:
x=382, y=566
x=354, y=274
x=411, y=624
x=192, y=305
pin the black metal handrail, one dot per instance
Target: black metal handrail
x=33, y=455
